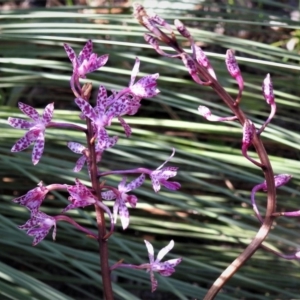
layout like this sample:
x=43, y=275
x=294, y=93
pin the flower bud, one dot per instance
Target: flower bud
x=160, y=21
x=182, y=29
x=231, y=64
x=151, y=40
x=267, y=89
x=248, y=130
x=202, y=59
x=279, y=180
x=192, y=68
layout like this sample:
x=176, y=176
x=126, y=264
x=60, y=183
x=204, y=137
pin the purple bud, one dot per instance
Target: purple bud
x=279, y=180
x=160, y=21
x=202, y=59
x=248, y=130
x=192, y=68
x=182, y=29
x=151, y=40
x=282, y=179
x=231, y=63
x=267, y=89
x=204, y=111
x=234, y=71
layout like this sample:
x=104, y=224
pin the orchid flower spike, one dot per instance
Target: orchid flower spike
x=35, y=130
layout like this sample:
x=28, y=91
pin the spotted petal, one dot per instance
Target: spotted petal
x=48, y=113
x=29, y=111
x=86, y=52
x=25, y=141
x=38, y=148
x=19, y=123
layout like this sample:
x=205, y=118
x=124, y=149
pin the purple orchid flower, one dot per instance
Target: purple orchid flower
x=87, y=61
x=108, y=108
x=166, y=268
x=161, y=176
x=146, y=86
x=122, y=197
x=39, y=226
x=33, y=199
x=36, y=130
x=81, y=196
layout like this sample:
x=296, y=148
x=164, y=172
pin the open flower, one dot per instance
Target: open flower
x=161, y=176
x=166, y=268
x=107, y=108
x=36, y=130
x=39, y=226
x=81, y=196
x=122, y=198
x=33, y=199
x=146, y=86
x=86, y=61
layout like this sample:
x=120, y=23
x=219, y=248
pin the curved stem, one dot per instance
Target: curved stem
x=271, y=193
x=284, y=256
x=75, y=224
x=265, y=165
x=253, y=202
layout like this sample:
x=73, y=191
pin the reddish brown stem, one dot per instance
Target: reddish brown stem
x=103, y=245
x=269, y=176
x=271, y=195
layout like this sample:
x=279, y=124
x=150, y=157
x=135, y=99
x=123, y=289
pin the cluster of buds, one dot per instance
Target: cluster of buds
x=98, y=119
